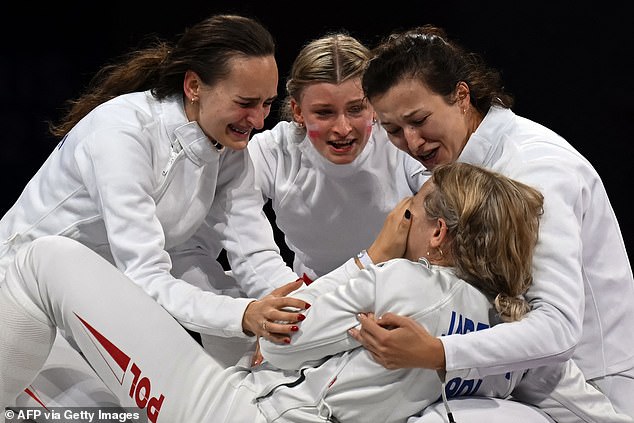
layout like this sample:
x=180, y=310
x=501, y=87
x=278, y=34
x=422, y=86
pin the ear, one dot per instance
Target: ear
x=297, y=112
x=191, y=85
x=463, y=98
x=439, y=234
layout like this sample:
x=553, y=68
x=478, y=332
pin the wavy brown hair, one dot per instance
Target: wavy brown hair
x=426, y=54
x=206, y=48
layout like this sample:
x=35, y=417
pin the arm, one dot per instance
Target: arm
x=238, y=220
x=116, y=168
x=547, y=335
x=398, y=342
x=551, y=331
x=399, y=286
x=334, y=303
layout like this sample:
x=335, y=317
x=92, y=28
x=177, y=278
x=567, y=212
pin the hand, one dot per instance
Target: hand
x=398, y=342
x=271, y=317
x=392, y=240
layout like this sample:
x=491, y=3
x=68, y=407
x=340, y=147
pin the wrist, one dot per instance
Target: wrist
x=245, y=324
x=363, y=259
x=438, y=352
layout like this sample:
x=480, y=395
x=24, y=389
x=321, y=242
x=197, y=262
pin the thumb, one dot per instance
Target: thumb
x=391, y=320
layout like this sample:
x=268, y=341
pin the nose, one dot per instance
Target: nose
x=257, y=116
x=342, y=125
x=413, y=139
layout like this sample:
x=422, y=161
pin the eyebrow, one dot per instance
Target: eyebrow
x=413, y=112
x=250, y=99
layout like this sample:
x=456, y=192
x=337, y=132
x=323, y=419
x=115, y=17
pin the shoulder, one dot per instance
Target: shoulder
x=534, y=154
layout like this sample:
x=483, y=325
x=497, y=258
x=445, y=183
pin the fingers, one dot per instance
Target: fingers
x=365, y=334
x=274, y=318
x=391, y=321
x=257, y=358
x=288, y=288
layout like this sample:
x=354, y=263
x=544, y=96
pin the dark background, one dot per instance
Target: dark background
x=566, y=63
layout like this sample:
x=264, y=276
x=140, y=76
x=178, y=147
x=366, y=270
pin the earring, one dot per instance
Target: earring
x=440, y=251
x=193, y=100
x=300, y=124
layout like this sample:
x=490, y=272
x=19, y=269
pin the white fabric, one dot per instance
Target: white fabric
x=583, y=287
x=444, y=305
x=329, y=212
x=66, y=380
x=617, y=387
x=133, y=180
x=483, y=410
x=25, y=343
x=349, y=386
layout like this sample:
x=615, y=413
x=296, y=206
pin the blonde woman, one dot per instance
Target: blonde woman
x=329, y=170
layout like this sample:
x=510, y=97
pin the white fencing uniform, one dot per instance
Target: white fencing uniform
x=329, y=212
x=170, y=376
x=583, y=289
x=134, y=180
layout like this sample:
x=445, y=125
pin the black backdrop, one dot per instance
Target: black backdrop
x=567, y=63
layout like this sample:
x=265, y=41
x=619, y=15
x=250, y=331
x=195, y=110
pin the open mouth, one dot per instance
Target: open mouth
x=430, y=155
x=341, y=146
x=239, y=131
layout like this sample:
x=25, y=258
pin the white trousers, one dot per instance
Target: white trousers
x=139, y=351
x=489, y=410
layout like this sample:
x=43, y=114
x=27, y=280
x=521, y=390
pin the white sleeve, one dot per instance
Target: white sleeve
x=335, y=301
x=264, y=163
x=551, y=331
x=237, y=217
x=116, y=170
x=561, y=391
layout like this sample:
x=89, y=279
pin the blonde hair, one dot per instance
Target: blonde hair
x=333, y=58
x=493, y=224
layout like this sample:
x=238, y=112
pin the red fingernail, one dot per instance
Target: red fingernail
x=287, y=341
x=307, y=306
x=294, y=328
x=300, y=317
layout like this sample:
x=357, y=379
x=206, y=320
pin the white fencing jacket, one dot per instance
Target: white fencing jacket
x=133, y=180
x=583, y=290
x=349, y=386
x=329, y=212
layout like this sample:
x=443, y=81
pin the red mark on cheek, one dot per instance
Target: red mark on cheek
x=313, y=134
